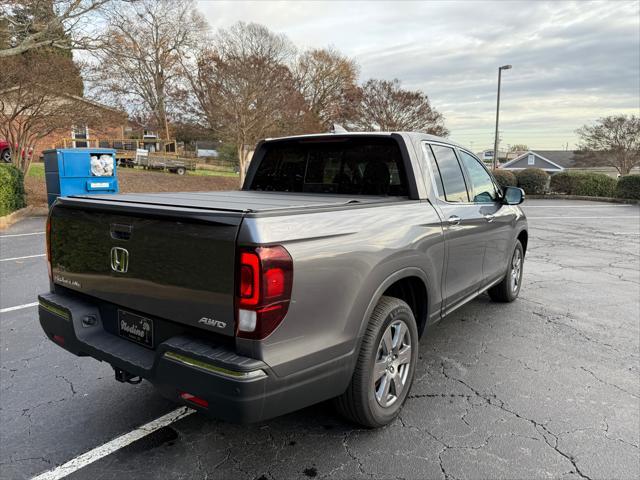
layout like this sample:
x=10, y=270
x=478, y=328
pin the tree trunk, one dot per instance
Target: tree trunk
x=242, y=163
x=244, y=157
x=623, y=164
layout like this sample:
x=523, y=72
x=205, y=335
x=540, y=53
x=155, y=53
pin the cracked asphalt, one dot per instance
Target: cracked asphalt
x=545, y=387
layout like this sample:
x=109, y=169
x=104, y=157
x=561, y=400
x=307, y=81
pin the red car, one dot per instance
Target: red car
x=5, y=151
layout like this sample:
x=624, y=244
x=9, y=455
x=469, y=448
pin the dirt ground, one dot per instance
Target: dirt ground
x=132, y=181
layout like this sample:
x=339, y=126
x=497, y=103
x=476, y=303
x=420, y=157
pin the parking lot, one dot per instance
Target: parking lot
x=545, y=387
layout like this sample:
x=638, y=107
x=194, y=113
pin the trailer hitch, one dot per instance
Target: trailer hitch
x=126, y=377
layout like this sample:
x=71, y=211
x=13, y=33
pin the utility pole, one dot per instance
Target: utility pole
x=496, y=140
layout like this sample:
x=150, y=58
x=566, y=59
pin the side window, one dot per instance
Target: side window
x=455, y=190
x=483, y=189
x=436, y=172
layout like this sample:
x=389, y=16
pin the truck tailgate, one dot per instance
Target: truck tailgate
x=178, y=268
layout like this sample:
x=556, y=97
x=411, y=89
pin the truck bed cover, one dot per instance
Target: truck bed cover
x=232, y=201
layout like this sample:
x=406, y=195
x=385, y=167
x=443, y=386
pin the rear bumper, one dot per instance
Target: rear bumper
x=237, y=389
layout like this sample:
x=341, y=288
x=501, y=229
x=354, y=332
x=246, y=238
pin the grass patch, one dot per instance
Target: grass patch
x=36, y=170
x=212, y=173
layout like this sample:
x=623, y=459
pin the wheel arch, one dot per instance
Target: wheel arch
x=410, y=284
x=523, y=236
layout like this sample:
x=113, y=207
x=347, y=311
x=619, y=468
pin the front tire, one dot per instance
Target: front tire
x=509, y=288
x=5, y=156
x=385, y=368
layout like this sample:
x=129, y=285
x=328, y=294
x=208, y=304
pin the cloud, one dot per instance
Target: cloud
x=572, y=61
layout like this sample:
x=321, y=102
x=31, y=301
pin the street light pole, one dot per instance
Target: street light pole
x=495, y=142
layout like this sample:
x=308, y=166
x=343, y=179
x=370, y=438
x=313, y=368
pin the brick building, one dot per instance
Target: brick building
x=117, y=126
x=98, y=121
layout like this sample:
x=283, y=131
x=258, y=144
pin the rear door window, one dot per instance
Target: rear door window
x=455, y=189
x=433, y=166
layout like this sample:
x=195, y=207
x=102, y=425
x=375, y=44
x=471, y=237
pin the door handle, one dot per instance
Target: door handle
x=454, y=220
x=489, y=218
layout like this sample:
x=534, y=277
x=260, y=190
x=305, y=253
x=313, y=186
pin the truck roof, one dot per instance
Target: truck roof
x=412, y=135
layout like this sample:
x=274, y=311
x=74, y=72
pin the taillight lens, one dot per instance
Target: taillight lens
x=265, y=277
x=201, y=402
x=48, y=237
x=249, y=278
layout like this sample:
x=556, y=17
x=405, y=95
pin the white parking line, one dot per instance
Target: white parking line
x=18, y=307
x=576, y=206
x=21, y=234
x=21, y=258
x=574, y=218
x=114, y=445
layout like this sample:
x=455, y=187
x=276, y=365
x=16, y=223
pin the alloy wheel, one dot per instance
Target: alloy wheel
x=392, y=364
x=516, y=270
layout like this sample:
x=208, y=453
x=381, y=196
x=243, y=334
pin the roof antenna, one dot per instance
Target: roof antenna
x=337, y=128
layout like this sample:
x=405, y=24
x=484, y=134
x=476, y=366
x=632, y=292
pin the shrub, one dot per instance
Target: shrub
x=628, y=187
x=583, y=183
x=593, y=184
x=505, y=178
x=11, y=189
x=562, y=183
x=533, y=180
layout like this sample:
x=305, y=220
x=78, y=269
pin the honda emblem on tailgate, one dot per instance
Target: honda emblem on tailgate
x=119, y=260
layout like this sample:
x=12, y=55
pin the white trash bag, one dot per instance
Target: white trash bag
x=102, y=166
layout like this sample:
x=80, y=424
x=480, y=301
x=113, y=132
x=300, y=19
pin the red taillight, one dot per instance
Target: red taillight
x=274, y=283
x=201, y=402
x=59, y=339
x=265, y=276
x=48, y=237
x=249, y=278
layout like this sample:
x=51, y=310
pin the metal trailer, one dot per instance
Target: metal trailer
x=173, y=164
x=126, y=148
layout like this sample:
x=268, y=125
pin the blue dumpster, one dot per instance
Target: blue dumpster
x=79, y=171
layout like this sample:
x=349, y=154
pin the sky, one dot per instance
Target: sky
x=573, y=62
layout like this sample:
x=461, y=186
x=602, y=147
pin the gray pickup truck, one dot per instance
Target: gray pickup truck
x=313, y=282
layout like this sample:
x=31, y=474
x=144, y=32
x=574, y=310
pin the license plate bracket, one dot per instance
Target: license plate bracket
x=136, y=328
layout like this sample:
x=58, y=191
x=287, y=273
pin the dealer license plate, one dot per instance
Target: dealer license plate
x=135, y=328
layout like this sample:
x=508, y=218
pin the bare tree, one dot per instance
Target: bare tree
x=26, y=25
x=139, y=61
x=614, y=140
x=328, y=82
x=388, y=107
x=244, y=89
x=32, y=108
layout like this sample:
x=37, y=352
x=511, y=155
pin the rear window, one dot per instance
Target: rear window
x=355, y=166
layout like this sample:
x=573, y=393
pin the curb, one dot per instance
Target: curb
x=555, y=196
x=28, y=211
x=39, y=212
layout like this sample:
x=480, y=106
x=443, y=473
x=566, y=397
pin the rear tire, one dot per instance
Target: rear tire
x=181, y=171
x=509, y=288
x=385, y=367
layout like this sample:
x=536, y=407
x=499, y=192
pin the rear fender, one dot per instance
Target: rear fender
x=377, y=295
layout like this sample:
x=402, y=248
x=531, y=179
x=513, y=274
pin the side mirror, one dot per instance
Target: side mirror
x=513, y=196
